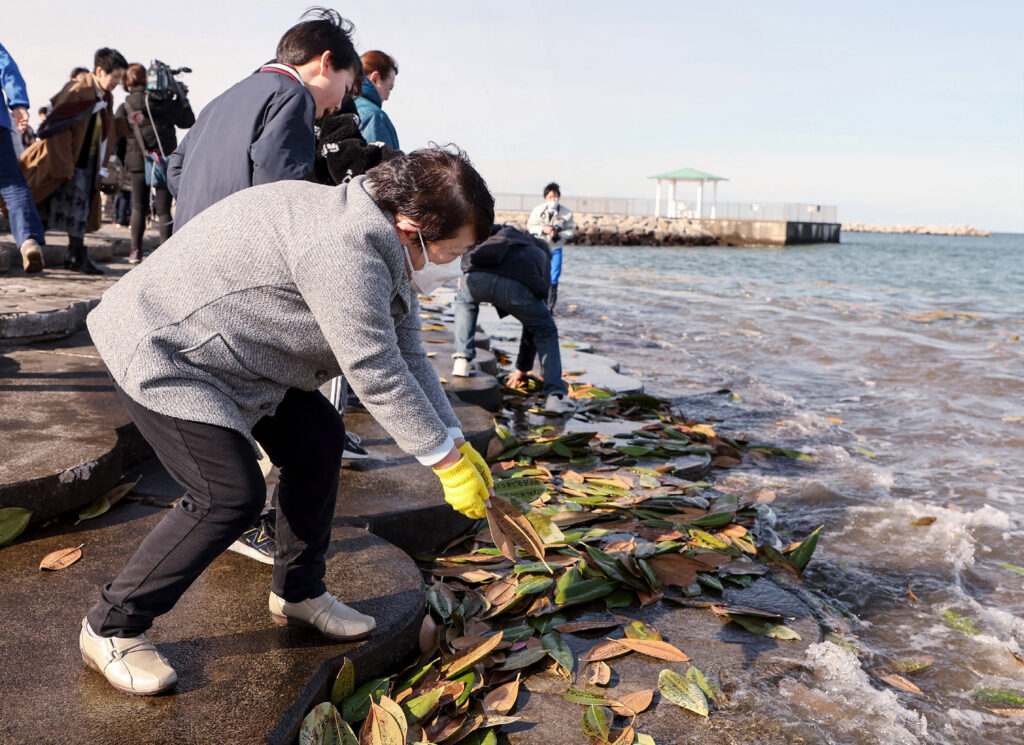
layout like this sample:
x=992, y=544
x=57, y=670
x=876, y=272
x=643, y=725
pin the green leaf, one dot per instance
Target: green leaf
x=697, y=676
x=682, y=692
x=357, y=706
x=519, y=633
x=559, y=650
x=524, y=488
x=468, y=680
x=584, y=592
x=422, y=705
x=621, y=598
x=323, y=726
x=597, y=721
x=344, y=682
x=545, y=623
x=634, y=450
x=533, y=585
x=13, y=520
x=481, y=737
x=1000, y=696
x=703, y=539
x=508, y=440
x=524, y=658
x=802, y=553
x=576, y=696
x=641, y=630
x=714, y=519
x=765, y=628
x=1011, y=567
x=439, y=602
x=562, y=449
x=961, y=623
x=640, y=739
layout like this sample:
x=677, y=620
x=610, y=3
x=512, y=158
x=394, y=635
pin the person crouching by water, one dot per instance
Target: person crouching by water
x=209, y=369
x=554, y=223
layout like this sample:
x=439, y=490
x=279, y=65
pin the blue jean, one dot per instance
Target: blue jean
x=540, y=334
x=24, y=217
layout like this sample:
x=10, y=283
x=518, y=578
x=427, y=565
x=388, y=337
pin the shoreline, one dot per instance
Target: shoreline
x=916, y=229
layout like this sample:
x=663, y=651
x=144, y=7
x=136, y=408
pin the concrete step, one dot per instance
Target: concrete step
x=65, y=436
x=242, y=679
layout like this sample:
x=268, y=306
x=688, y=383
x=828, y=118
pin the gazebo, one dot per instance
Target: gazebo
x=686, y=174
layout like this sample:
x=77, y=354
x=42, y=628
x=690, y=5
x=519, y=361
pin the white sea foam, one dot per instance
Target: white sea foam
x=853, y=704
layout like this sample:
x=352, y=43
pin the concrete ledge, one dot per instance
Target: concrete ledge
x=237, y=671
x=30, y=328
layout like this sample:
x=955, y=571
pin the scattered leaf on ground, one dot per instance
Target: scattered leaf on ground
x=682, y=692
x=13, y=520
x=61, y=558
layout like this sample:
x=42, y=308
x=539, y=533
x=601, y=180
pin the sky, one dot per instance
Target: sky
x=896, y=112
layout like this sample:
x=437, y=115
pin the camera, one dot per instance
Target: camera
x=160, y=79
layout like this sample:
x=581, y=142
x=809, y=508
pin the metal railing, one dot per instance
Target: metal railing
x=789, y=211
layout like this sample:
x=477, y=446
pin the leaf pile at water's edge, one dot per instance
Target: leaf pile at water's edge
x=579, y=521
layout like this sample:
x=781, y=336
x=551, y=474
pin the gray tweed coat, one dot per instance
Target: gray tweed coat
x=278, y=286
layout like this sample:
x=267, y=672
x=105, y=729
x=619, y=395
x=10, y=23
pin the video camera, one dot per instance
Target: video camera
x=160, y=79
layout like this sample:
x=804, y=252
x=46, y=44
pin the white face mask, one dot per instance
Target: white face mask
x=553, y=206
x=432, y=275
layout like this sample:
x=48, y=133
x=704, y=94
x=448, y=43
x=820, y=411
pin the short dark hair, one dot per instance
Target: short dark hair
x=552, y=187
x=76, y=71
x=134, y=76
x=376, y=61
x=438, y=188
x=326, y=31
x=108, y=60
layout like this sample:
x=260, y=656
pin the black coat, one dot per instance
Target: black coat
x=514, y=254
x=168, y=112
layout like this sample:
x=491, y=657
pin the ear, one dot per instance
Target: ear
x=374, y=77
x=325, y=63
x=406, y=230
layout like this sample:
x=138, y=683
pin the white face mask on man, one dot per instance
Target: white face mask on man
x=432, y=275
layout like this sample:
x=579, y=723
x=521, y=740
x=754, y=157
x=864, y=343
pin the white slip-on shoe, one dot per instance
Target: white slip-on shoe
x=463, y=368
x=558, y=404
x=132, y=664
x=326, y=614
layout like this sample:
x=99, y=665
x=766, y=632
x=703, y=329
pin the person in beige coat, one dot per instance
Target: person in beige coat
x=64, y=166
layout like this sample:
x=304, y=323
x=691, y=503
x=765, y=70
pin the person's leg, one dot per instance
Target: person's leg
x=77, y=200
x=140, y=207
x=163, y=211
x=304, y=438
x=556, y=274
x=224, y=491
x=467, y=310
x=527, y=351
x=533, y=313
x=26, y=226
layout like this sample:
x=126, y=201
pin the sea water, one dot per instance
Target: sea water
x=896, y=362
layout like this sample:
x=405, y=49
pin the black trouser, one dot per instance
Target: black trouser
x=140, y=208
x=225, y=492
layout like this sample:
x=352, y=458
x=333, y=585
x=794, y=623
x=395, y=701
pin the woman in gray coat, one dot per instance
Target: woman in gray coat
x=210, y=367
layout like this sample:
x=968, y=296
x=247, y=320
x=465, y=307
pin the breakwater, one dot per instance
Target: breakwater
x=859, y=227
x=624, y=230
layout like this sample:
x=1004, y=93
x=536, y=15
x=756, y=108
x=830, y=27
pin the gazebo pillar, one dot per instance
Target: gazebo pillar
x=671, y=211
x=657, y=199
x=714, y=199
x=700, y=198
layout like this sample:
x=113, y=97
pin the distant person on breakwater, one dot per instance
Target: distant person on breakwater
x=64, y=167
x=553, y=222
x=379, y=72
x=145, y=157
x=511, y=270
x=209, y=369
x=261, y=129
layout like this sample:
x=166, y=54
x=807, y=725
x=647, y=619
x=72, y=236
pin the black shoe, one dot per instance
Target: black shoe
x=77, y=259
x=353, y=450
x=259, y=542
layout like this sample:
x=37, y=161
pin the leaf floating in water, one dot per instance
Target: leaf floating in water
x=913, y=664
x=1011, y=567
x=923, y=521
x=999, y=696
x=682, y=692
x=696, y=675
x=801, y=555
x=864, y=452
x=1012, y=713
x=62, y=558
x=898, y=681
x=961, y=623
x=13, y=520
x=765, y=628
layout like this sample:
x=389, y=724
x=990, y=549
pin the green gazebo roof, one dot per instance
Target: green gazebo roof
x=690, y=174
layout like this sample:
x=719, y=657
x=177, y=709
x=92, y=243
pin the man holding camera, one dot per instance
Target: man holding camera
x=553, y=222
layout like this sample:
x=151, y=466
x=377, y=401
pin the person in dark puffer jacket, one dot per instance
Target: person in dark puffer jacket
x=512, y=271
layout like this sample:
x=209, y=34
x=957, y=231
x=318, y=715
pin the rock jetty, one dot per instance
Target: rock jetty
x=624, y=230
x=859, y=227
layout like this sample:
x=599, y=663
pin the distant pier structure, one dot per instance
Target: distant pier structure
x=753, y=223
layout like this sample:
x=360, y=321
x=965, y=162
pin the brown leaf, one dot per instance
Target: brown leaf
x=675, y=569
x=572, y=628
x=626, y=736
x=502, y=699
x=633, y=703
x=465, y=573
x=509, y=528
x=428, y=634
x=571, y=477
x=380, y=728
x=653, y=648
x=725, y=461
x=472, y=656
x=646, y=598
x=898, y=681
x=765, y=496
x=443, y=727
x=605, y=650
x=599, y=674
x=1012, y=713
x=61, y=559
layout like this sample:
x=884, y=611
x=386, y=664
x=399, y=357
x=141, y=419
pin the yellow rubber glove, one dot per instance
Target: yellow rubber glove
x=478, y=462
x=464, y=489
